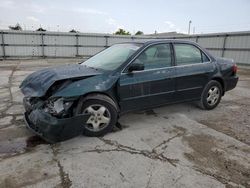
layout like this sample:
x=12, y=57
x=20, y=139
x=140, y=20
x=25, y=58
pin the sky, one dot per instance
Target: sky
x=93, y=16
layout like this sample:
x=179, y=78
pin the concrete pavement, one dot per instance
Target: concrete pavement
x=173, y=146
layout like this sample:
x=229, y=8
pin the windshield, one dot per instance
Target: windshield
x=112, y=57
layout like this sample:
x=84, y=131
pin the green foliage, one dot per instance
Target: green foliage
x=139, y=33
x=41, y=29
x=17, y=27
x=73, y=31
x=122, y=32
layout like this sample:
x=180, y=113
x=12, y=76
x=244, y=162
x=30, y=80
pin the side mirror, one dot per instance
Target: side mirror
x=136, y=67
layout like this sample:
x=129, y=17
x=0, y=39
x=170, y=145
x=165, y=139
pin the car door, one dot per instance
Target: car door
x=193, y=69
x=149, y=87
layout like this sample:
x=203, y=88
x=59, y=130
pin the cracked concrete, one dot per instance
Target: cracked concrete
x=122, y=148
x=172, y=146
x=64, y=177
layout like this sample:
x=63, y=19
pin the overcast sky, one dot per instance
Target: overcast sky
x=146, y=15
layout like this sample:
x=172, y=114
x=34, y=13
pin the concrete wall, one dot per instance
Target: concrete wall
x=28, y=44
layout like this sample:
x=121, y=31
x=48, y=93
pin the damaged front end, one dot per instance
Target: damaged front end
x=51, y=96
x=53, y=119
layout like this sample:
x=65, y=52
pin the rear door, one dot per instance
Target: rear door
x=152, y=86
x=193, y=70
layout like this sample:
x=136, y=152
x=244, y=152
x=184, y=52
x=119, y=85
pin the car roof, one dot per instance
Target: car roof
x=158, y=41
x=167, y=40
x=154, y=41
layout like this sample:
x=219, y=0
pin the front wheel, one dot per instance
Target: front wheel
x=211, y=95
x=103, y=114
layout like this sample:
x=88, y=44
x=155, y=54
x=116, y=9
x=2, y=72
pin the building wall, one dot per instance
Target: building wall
x=27, y=44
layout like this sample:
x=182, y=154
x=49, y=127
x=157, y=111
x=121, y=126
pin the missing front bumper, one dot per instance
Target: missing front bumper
x=53, y=129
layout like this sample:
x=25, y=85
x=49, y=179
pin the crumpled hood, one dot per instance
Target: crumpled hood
x=37, y=83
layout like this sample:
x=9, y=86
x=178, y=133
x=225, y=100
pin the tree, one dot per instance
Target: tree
x=41, y=29
x=17, y=27
x=122, y=32
x=139, y=33
x=73, y=31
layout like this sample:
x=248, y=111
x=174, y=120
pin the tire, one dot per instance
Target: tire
x=211, y=95
x=104, y=114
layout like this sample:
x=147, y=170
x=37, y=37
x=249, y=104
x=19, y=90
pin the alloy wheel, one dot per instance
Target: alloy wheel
x=213, y=95
x=99, y=119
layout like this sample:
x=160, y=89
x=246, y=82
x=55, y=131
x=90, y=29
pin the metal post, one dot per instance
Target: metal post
x=196, y=40
x=106, y=41
x=3, y=45
x=43, y=54
x=189, y=25
x=224, y=45
x=77, y=45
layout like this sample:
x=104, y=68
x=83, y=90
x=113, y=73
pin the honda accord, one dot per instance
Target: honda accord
x=88, y=98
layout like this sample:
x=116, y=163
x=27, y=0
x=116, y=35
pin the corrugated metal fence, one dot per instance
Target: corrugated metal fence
x=27, y=44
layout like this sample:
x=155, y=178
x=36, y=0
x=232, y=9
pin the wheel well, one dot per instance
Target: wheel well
x=101, y=93
x=220, y=80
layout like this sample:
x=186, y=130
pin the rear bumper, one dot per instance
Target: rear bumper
x=53, y=129
x=230, y=83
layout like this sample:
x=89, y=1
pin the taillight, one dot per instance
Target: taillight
x=235, y=68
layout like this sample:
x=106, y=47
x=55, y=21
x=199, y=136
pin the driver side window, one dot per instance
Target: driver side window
x=157, y=56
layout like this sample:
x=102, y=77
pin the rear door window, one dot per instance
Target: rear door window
x=204, y=58
x=189, y=54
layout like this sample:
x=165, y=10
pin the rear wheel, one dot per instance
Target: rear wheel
x=211, y=95
x=103, y=114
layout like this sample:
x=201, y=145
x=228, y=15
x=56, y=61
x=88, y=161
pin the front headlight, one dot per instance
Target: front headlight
x=57, y=106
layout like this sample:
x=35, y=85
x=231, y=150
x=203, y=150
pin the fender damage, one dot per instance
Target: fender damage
x=50, y=96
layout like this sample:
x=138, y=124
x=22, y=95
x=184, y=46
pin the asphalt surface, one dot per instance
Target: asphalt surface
x=173, y=146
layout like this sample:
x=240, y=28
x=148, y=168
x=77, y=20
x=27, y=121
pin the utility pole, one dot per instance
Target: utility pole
x=189, y=25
